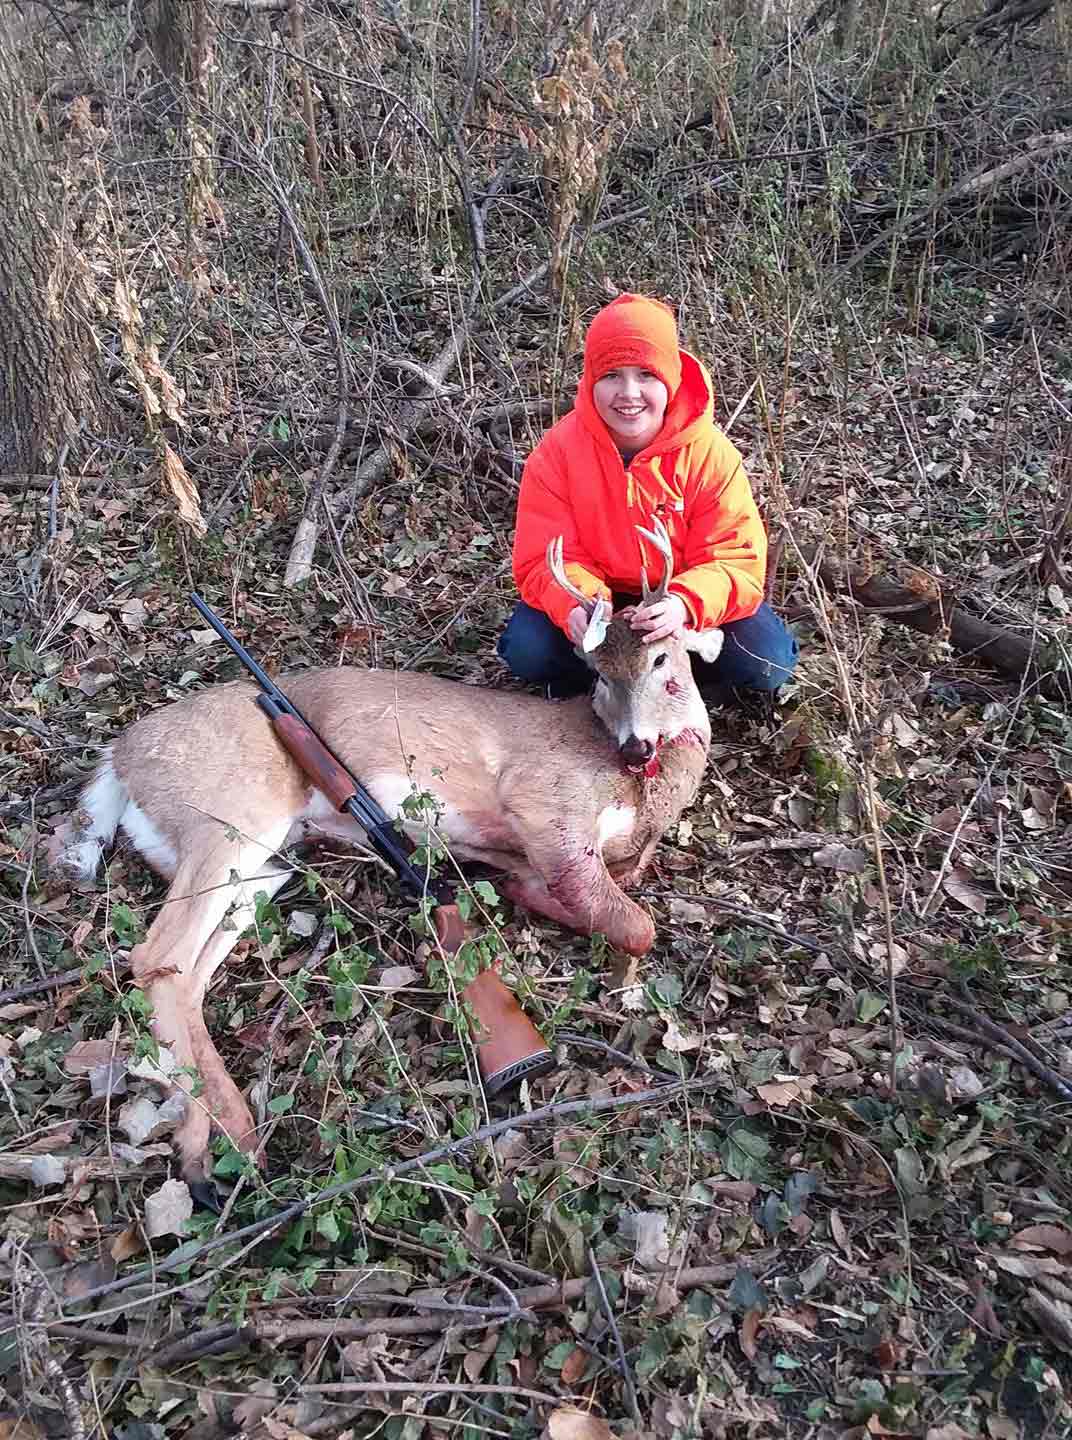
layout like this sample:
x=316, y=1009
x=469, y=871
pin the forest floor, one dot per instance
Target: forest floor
x=785, y=1246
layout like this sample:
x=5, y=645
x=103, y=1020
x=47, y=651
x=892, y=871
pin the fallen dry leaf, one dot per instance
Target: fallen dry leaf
x=570, y=1423
x=983, y=1313
x=779, y=1092
x=186, y=493
x=1027, y=1267
x=1003, y=1427
x=91, y=620
x=678, y=1041
x=271, y=1429
x=168, y=1209
x=748, y=1332
x=85, y=1056
x=840, y=1234
x=574, y=1366
x=132, y=613
x=1054, y=1317
x=1043, y=1237
x=960, y=884
x=843, y=858
x=127, y=1243
x=648, y=1231
x=397, y=977
x=688, y=911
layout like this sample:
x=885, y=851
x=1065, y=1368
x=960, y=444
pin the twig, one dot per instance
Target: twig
x=221, y=1338
x=85, y=1335
x=935, y=612
x=997, y=1032
x=375, y=466
x=487, y=1257
x=30, y=936
x=42, y=797
x=312, y=146
x=50, y=982
x=300, y=559
x=405, y=1387
x=40, y=1294
x=634, y=1062
x=616, y=1335
x=887, y=907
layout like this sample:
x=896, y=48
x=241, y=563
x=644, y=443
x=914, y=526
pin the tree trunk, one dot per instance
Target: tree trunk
x=49, y=382
x=178, y=34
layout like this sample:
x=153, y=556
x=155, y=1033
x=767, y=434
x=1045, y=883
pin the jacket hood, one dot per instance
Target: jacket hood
x=689, y=415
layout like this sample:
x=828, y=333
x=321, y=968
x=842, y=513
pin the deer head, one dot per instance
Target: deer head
x=644, y=693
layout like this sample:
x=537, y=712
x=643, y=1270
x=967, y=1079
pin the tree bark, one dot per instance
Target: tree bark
x=178, y=34
x=49, y=381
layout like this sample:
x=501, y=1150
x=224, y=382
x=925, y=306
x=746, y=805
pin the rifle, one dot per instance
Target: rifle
x=511, y=1049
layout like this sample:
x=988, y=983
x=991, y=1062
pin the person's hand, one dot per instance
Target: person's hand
x=665, y=617
x=577, y=623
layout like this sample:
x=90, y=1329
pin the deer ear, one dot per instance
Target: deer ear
x=596, y=632
x=707, y=644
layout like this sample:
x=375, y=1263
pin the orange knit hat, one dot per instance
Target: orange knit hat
x=634, y=330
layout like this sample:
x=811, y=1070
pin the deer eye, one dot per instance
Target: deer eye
x=659, y=660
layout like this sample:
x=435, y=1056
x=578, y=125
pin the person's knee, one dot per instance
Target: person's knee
x=760, y=653
x=528, y=646
x=778, y=662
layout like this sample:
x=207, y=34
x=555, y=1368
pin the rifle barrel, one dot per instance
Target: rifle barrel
x=262, y=678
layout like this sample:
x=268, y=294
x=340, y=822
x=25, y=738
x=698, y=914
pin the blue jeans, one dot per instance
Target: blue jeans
x=759, y=653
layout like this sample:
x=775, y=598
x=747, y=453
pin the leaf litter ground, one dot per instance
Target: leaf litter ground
x=792, y=1249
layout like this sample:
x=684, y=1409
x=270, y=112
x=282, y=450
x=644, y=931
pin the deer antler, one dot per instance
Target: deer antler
x=558, y=574
x=661, y=540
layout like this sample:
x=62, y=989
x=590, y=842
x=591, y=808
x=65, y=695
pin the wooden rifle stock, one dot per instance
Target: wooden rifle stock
x=509, y=1047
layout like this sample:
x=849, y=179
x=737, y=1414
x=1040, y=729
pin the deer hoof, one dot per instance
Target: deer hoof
x=206, y=1195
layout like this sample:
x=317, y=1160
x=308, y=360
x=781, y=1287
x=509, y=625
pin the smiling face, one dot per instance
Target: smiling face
x=632, y=404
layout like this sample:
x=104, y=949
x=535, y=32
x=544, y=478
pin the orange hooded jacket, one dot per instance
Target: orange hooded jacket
x=575, y=484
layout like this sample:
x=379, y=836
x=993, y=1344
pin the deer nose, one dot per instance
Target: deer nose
x=635, y=751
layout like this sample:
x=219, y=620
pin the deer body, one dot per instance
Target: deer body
x=543, y=793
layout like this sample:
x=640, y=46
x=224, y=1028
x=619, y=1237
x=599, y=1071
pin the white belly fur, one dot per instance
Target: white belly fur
x=614, y=821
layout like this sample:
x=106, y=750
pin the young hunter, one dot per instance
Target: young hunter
x=641, y=443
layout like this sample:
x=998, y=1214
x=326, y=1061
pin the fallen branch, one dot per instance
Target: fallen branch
x=220, y=1339
x=40, y=987
x=1019, y=655
x=26, y=482
x=993, y=1032
x=187, y=1255
x=986, y=177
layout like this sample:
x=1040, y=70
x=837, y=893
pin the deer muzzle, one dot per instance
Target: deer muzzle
x=636, y=753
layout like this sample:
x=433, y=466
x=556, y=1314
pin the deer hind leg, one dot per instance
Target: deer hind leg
x=570, y=883
x=210, y=903
x=220, y=1102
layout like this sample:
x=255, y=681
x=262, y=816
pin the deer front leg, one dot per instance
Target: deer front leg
x=570, y=883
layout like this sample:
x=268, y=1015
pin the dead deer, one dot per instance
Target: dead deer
x=208, y=797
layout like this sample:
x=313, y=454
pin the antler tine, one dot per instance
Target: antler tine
x=661, y=540
x=558, y=574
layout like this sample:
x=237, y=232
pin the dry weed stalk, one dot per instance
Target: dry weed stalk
x=160, y=397
x=582, y=123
